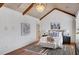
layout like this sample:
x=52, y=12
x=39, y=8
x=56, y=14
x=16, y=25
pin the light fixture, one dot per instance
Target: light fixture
x=40, y=7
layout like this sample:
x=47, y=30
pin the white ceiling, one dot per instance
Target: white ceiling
x=21, y=7
x=69, y=7
x=35, y=13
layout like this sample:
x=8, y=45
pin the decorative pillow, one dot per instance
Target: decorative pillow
x=54, y=34
x=50, y=39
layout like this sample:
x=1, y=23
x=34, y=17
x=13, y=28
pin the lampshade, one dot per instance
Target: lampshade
x=40, y=7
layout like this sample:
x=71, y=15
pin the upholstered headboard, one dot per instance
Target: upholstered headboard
x=57, y=36
x=55, y=33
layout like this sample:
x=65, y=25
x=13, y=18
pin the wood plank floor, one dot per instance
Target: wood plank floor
x=23, y=51
x=34, y=49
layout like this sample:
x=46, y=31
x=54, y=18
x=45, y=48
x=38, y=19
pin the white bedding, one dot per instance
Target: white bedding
x=56, y=43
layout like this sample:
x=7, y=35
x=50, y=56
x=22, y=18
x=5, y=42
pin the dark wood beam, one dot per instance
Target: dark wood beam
x=28, y=9
x=1, y=4
x=46, y=14
x=66, y=12
x=59, y=10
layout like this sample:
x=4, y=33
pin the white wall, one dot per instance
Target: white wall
x=10, y=30
x=66, y=22
x=77, y=28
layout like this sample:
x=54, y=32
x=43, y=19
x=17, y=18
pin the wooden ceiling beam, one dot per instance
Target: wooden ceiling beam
x=1, y=4
x=46, y=14
x=59, y=10
x=28, y=9
x=66, y=12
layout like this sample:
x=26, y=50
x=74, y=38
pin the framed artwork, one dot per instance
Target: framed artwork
x=55, y=25
x=25, y=29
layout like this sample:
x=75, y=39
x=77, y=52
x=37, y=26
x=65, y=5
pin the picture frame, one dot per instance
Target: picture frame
x=25, y=29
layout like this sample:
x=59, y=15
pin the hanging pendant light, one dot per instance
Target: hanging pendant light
x=40, y=7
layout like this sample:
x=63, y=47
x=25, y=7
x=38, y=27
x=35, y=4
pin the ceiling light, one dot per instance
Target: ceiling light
x=40, y=7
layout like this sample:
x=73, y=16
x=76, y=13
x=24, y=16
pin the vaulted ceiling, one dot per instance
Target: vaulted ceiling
x=29, y=8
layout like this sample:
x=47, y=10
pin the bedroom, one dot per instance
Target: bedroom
x=23, y=24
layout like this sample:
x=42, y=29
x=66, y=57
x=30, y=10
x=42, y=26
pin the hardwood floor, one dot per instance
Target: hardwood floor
x=22, y=52
x=34, y=49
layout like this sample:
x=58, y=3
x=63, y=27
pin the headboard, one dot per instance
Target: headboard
x=57, y=35
x=55, y=32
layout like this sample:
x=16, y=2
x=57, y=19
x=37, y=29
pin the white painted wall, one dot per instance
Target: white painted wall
x=10, y=30
x=66, y=22
x=77, y=28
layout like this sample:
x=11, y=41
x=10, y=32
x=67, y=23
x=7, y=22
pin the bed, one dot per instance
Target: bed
x=54, y=39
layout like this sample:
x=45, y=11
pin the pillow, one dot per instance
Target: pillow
x=50, y=39
x=54, y=34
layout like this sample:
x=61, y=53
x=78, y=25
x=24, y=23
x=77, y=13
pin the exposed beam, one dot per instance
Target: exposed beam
x=59, y=10
x=1, y=4
x=28, y=9
x=66, y=12
x=46, y=14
